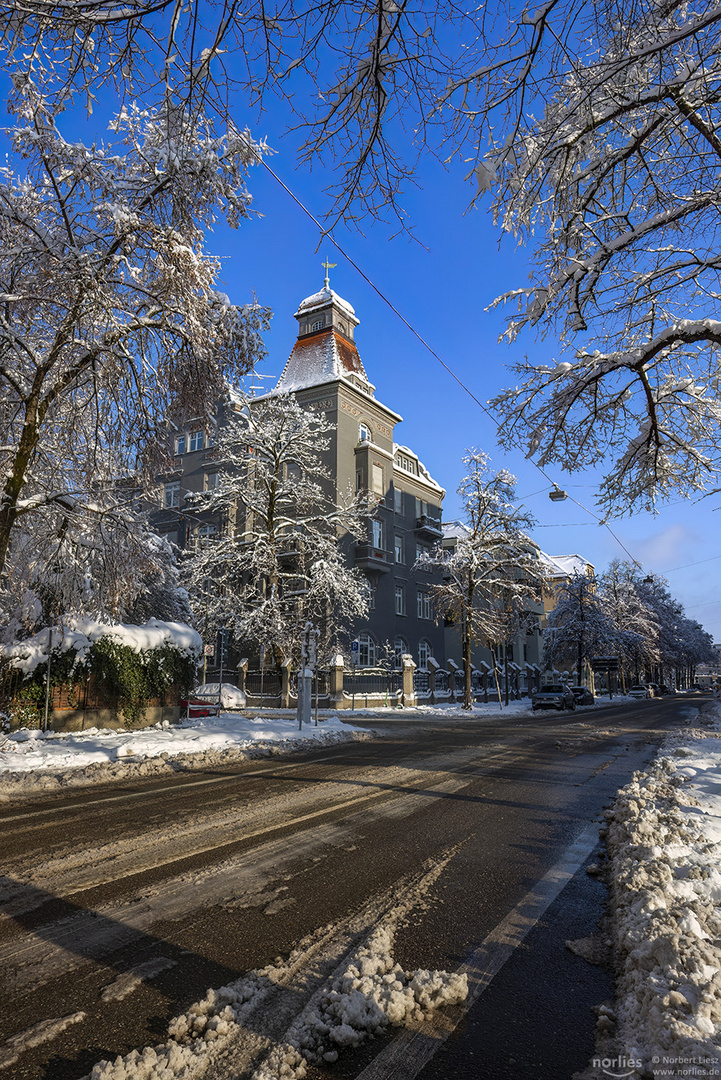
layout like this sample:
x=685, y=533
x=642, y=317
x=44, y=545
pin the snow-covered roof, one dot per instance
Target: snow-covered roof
x=455, y=530
x=565, y=565
x=422, y=470
x=320, y=299
x=321, y=358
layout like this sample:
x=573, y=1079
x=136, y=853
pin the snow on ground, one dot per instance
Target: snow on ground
x=35, y=760
x=664, y=851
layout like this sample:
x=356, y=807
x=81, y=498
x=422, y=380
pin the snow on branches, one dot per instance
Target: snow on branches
x=616, y=180
x=278, y=561
x=110, y=319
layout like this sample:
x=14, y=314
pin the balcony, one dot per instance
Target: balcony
x=428, y=526
x=368, y=557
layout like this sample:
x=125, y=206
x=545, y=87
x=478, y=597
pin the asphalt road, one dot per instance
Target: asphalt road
x=122, y=905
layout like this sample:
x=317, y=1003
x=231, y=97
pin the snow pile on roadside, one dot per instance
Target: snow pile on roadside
x=369, y=994
x=36, y=760
x=664, y=846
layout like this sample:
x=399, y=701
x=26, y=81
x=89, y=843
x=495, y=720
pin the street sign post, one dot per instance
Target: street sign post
x=609, y=664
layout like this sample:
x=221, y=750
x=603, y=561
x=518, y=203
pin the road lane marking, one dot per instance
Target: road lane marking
x=410, y=1051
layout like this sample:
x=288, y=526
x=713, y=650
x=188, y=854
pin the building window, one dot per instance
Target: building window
x=212, y=481
x=364, y=433
x=377, y=533
x=370, y=594
x=398, y=549
x=400, y=600
x=398, y=500
x=425, y=652
x=180, y=444
x=424, y=604
x=317, y=325
x=424, y=551
x=366, y=651
x=359, y=485
x=293, y=471
x=400, y=646
x=196, y=440
x=171, y=494
x=210, y=438
x=204, y=535
x=377, y=482
x=407, y=464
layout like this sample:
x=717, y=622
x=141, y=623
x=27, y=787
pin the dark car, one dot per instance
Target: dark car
x=553, y=696
x=582, y=695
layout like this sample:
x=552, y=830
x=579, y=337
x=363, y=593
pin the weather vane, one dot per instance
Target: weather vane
x=328, y=266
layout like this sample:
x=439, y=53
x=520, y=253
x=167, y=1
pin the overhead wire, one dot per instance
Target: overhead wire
x=326, y=233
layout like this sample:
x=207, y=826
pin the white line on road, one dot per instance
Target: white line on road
x=410, y=1051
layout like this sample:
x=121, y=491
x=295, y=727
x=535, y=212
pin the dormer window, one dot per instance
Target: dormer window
x=317, y=325
x=364, y=433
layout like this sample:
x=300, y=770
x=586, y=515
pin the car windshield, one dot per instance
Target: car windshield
x=556, y=688
x=638, y=687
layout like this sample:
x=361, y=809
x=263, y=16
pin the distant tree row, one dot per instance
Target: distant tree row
x=630, y=615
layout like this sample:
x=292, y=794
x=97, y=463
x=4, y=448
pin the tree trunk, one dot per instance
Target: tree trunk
x=467, y=688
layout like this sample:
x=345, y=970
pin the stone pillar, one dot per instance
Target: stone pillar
x=285, y=684
x=242, y=672
x=452, y=669
x=433, y=666
x=409, y=694
x=337, y=668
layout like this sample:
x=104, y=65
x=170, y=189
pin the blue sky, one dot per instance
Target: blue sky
x=441, y=283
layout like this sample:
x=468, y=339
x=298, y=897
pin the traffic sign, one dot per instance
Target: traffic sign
x=354, y=646
x=209, y=650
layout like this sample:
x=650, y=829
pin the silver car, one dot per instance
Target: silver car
x=553, y=696
x=640, y=691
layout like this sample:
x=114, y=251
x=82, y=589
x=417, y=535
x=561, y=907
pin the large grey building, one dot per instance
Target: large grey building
x=325, y=372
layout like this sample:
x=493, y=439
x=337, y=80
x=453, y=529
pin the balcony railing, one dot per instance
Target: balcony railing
x=429, y=526
x=369, y=557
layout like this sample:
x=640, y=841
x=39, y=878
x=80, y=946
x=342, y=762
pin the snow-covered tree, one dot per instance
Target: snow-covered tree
x=579, y=626
x=637, y=622
x=278, y=561
x=616, y=177
x=492, y=577
x=682, y=642
x=110, y=325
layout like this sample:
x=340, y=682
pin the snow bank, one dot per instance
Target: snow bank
x=80, y=633
x=664, y=847
x=32, y=760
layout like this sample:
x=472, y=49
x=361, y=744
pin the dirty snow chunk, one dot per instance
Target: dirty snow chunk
x=129, y=981
x=370, y=995
x=41, y=1033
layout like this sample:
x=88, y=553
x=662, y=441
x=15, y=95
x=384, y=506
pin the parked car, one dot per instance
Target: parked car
x=640, y=691
x=582, y=695
x=207, y=696
x=553, y=696
x=667, y=689
x=654, y=688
